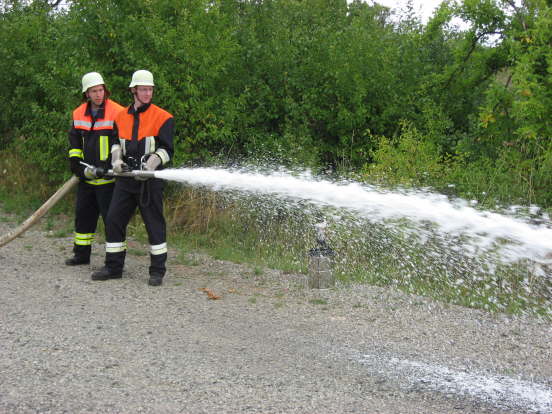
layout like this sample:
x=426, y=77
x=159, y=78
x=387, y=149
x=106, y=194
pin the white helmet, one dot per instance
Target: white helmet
x=141, y=78
x=91, y=79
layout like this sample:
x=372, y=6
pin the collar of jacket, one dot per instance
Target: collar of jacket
x=141, y=109
x=99, y=114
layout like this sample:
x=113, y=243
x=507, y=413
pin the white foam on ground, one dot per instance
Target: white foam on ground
x=498, y=391
x=484, y=228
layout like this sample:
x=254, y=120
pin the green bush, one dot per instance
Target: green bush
x=409, y=160
x=319, y=83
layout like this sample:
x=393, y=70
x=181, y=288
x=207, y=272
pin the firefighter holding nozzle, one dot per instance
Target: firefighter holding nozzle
x=90, y=139
x=145, y=141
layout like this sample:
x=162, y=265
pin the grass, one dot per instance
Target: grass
x=62, y=232
x=187, y=259
x=137, y=252
x=59, y=226
x=23, y=188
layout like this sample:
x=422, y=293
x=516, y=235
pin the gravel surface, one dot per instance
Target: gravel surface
x=268, y=344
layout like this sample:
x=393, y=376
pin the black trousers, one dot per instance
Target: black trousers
x=92, y=201
x=148, y=197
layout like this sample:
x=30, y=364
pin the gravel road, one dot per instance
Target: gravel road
x=267, y=345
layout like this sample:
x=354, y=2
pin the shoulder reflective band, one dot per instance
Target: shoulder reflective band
x=115, y=247
x=75, y=152
x=158, y=249
x=82, y=124
x=103, y=124
x=84, y=239
x=104, y=147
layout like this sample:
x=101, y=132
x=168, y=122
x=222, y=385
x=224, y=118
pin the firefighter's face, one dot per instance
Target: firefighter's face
x=144, y=94
x=96, y=94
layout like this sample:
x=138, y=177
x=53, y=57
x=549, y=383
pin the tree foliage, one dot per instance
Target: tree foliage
x=317, y=82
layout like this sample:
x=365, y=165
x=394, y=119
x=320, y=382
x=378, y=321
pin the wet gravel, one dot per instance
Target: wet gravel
x=268, y=344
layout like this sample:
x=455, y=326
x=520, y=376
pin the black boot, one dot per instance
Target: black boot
x=155, y=280
x=105, y=274
x=157, y=269
x=77, y=260
x=81, y=255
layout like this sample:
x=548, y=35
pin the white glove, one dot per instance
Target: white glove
x=117, y=162
x=153, y=162
x=119, y=166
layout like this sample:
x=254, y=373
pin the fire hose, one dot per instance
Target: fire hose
x=58, y=195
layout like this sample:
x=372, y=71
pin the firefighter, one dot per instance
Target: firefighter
x=145, y=134
x=90, y=139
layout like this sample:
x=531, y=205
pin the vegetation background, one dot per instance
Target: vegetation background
x=317, y=83
x=324, y=84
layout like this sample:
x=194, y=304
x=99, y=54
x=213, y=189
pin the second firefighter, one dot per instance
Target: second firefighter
x=90, y=139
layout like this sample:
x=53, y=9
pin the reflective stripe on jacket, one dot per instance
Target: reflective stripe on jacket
x=149, y=129
x=91, y=138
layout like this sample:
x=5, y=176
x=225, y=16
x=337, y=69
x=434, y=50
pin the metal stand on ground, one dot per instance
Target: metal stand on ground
x=320, y=262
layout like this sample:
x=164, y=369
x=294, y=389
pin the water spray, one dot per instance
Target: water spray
x=510, y=238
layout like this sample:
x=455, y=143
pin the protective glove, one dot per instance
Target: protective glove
x=151, y=164
x=119, y=165
x=76, y=167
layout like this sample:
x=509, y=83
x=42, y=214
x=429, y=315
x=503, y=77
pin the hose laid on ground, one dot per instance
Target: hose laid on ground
x=58, y=195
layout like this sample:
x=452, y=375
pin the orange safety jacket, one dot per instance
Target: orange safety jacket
x=91, y=138
x=146, y=130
